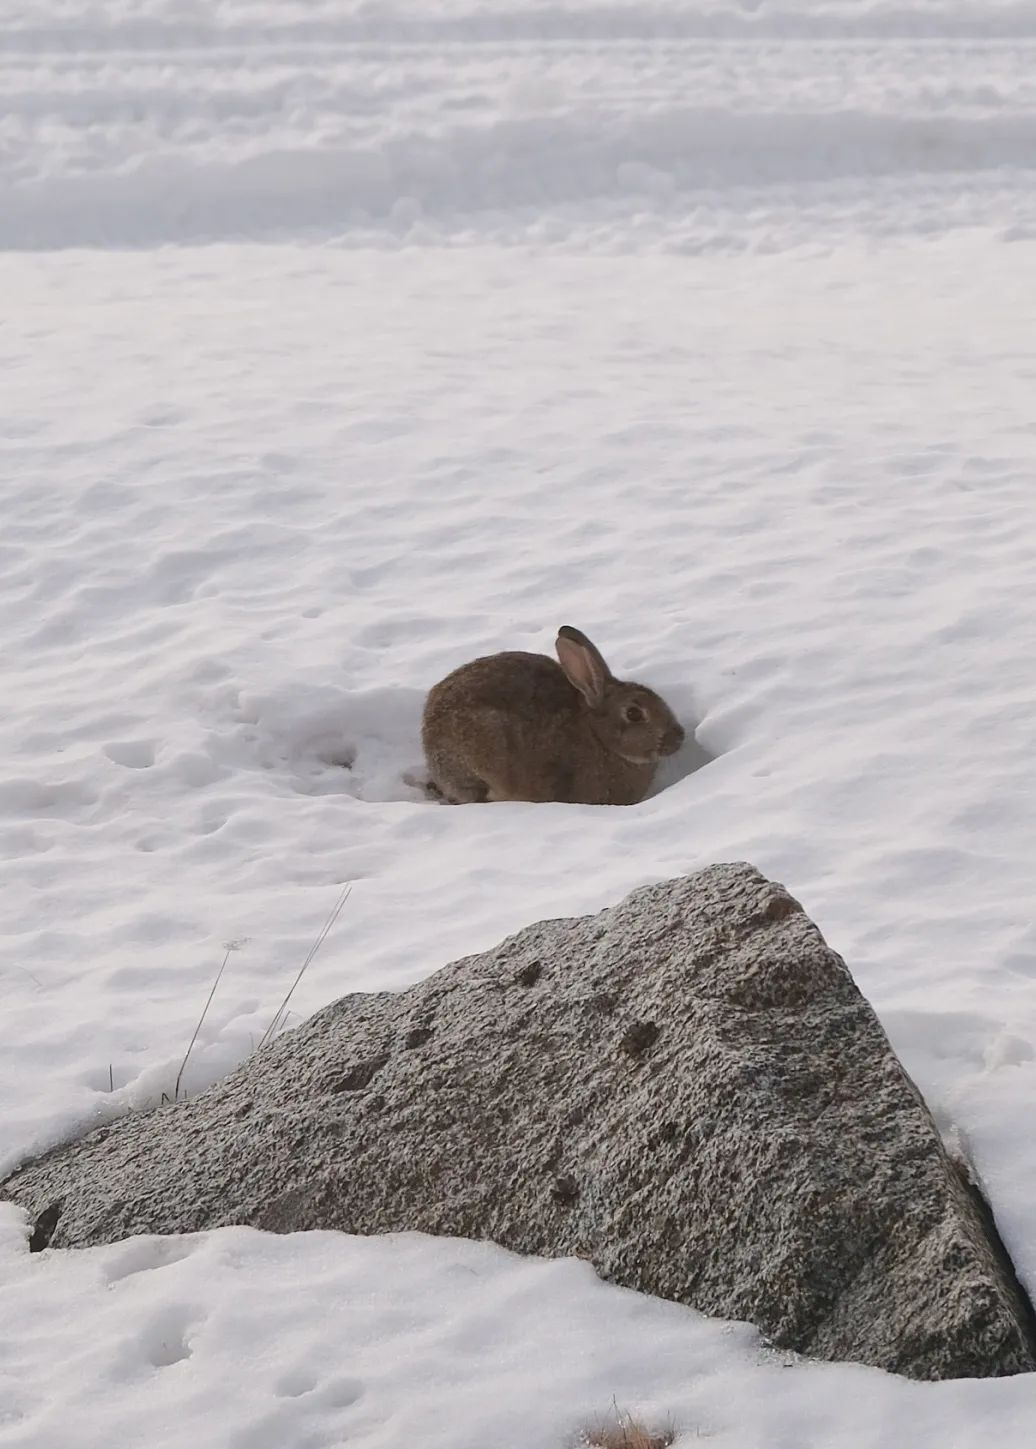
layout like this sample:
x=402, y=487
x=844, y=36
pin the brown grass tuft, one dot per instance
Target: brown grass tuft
x=623, y=1432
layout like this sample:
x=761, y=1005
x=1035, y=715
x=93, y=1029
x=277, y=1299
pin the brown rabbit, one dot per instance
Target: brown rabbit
x=517, y=726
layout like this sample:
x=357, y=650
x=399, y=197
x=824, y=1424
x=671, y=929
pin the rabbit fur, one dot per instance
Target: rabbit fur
x=518, y=726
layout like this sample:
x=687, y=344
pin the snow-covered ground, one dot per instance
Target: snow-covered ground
x=340, y=344
x=598, y=124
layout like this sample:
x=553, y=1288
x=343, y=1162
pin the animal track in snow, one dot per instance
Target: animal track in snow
x=294, y=1384
x=59, y=799
x=164, y=1341
x=302, y=1382
x=133, y=754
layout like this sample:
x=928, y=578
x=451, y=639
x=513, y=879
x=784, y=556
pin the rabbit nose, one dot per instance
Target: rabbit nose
x=674, y=739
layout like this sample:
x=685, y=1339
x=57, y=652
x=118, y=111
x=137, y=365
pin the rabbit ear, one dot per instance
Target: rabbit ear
x=583, y=664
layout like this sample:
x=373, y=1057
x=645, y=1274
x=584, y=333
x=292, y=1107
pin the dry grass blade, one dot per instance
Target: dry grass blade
x=197, y=1029
x=322, y=936
x=623, y=1432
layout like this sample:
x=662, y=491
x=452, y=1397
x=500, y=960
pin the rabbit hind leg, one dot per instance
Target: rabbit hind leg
x=457, y=786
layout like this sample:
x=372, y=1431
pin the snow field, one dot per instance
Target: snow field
x=253, y=1341
x=203, y=615
x=678, y=127
x=708, y=331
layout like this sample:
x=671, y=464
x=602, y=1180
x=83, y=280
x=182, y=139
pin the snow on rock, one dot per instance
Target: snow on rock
x=686, y=1090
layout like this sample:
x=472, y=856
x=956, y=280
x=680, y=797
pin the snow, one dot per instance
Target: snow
x=250, y=1341
x=340, y=345
x=674, y=126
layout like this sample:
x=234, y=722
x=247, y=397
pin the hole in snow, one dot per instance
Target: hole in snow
x=131, y=754
x=320, y=740
x=334, y=752
x=294, y=1384
x=164, y=1340
x=689, y=758
x=326, y=741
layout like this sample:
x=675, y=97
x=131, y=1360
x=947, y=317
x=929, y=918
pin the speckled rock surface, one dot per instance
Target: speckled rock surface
x=688, y=1090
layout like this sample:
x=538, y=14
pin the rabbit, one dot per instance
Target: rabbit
x=517, y=726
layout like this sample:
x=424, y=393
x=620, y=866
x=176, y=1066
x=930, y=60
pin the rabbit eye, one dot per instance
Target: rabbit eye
x=634, y=714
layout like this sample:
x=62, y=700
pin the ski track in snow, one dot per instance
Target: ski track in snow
x=340, y=346
x=675, y=127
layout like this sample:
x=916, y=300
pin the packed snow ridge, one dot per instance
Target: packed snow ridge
x=666, y=127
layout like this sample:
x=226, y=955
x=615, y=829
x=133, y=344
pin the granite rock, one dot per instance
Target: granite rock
x=688, y=1090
